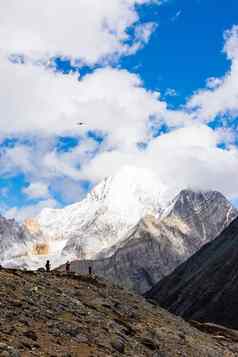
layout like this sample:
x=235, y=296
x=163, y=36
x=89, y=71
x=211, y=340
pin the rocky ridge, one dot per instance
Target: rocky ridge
x=205, y=287
x=58, y=315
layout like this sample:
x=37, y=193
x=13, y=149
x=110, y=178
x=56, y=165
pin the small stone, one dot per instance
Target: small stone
x=159, y=354
x=4, y=354
x=8, y=351
x=118, y=344
x=149, y=343
x=30, y=334
x=81, y=339
x=70, y=329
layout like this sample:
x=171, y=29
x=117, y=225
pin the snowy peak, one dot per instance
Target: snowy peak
x=130, y=194
x=128, y=187
x=157, y=245
x=102, y=219
x=111, y=212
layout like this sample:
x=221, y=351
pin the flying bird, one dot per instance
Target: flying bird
x=80, y=123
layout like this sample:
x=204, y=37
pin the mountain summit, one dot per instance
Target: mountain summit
x=103, y=218
x=157, y=245
x=125, y=209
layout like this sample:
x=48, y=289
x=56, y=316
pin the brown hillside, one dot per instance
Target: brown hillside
x=58, y=315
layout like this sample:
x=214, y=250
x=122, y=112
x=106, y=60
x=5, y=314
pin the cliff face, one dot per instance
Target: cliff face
x=156, y=246
x=205, y=287
x=14, y=240
x=52, y=314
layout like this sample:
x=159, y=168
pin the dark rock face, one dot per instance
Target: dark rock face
x=207, y=214
x=13, y=239
x=60, y=315
x=205, y=288
x=156, y=246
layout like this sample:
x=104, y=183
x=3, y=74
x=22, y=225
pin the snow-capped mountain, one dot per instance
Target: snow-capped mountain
x=156, y=246
x=127, y=207
x=103, y=218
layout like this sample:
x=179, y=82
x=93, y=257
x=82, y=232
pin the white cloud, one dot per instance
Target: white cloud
x=221, y=96
x=36, y=190
x=40, y=105
x=22, y=213
x=143, y=32
x=85, y=29
x=170, y=92
x=34, y=102
x=184, y=158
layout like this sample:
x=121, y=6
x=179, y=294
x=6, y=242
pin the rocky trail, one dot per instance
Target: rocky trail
x=54, y=314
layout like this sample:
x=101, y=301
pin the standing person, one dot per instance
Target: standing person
x=67, y=267
x=90, y=271
x=47, y=266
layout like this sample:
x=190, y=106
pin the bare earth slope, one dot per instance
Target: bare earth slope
x=205, y=287
x=57, y=315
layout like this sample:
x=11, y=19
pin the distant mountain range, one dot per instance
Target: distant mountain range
x=130, y=228
x=205, y=287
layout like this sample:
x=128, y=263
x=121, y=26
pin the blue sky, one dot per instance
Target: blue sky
x=176, y=59
x=185, y=49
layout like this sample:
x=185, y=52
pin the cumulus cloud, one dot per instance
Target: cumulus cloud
x=89, y=30
x=221, y=95
x=184, y=158
x=35, y=101
x=39, y=105
x=36, y=190
x=22, y=213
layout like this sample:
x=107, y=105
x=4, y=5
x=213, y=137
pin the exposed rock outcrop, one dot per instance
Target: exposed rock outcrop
x=14, y=240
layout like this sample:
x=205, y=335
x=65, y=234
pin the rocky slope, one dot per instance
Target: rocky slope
x=54, y=315
x=156, y=246
x=205, y=287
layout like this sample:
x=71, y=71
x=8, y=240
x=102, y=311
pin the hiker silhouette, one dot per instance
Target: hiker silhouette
x=47, y=265
x=67, y=267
